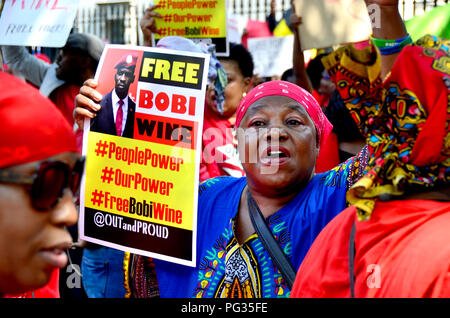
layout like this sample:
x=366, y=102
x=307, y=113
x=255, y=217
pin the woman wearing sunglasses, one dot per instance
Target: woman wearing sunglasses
x=40, y=171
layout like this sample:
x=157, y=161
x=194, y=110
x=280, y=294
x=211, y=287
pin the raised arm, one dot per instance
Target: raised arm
x=19, y=59
x=359, y=75
x=298, y=59
x=148, y=24
x=387, y=24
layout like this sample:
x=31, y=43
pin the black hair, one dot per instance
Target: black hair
x=242, y=56
x=286, y=74
x=343, y=123
x=315, y=69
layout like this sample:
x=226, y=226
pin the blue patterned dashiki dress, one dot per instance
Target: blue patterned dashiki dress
x=227, y=269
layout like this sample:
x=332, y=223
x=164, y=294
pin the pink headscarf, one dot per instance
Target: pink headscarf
x=282, y=88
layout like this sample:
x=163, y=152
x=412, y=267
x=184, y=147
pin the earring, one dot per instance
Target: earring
x=244, y=94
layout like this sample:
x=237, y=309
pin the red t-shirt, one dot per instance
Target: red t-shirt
x=64, y=99
x=51, y=290
x=219, y=154
x=328, y=157
x=401, y=252
x=329, y=154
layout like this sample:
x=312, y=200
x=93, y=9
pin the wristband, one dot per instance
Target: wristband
x=388, y=47
x=380, y=43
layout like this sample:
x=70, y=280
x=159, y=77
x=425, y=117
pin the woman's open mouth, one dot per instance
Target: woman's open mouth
x=55, y=255
x=275, y=156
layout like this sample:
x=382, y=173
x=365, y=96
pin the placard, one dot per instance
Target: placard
x=272, y=56
x=330, y=22
x=37, y=22
x=198, y=20
x=139, y=192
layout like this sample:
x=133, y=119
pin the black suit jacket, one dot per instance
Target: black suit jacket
x=104, y=121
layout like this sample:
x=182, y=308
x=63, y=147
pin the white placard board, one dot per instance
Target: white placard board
x=271, y=56
x=235, y=27
x=37, y=22
x=331, y=22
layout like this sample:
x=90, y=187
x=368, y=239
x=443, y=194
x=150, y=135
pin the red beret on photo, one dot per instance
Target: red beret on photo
x=128, y=60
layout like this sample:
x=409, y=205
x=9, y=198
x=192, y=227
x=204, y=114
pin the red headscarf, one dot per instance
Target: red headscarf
x=282, y=88
x=32, y=127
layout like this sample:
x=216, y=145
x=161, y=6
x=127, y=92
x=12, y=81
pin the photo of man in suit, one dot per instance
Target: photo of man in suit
x=102, y=266
x=116, y=117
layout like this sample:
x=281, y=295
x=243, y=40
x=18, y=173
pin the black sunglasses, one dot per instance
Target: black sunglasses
x=49, y=182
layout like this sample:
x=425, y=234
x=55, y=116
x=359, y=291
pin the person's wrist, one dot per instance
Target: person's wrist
x=385, y=43
x=147, y=38
x=388, y=47
x=391, y=24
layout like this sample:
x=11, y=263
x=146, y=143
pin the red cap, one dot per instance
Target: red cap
x=32, y=127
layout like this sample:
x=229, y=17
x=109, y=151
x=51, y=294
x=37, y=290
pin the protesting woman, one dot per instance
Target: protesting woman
x=280, y=130
x=40, y=171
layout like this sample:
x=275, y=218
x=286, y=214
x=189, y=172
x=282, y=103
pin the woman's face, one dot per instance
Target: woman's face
x=236, y=87
x=32, y=242
x=326, y=86
x=278, y=144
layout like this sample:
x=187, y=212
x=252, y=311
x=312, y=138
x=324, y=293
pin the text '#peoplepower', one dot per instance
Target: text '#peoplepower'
x=137, y=156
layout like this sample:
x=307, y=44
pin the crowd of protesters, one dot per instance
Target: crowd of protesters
x=350, y=179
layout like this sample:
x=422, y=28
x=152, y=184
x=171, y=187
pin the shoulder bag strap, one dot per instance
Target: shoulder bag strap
x=351, y=260
x=269, y=242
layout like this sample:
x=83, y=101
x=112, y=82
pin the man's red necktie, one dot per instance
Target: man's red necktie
x=119, y=119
